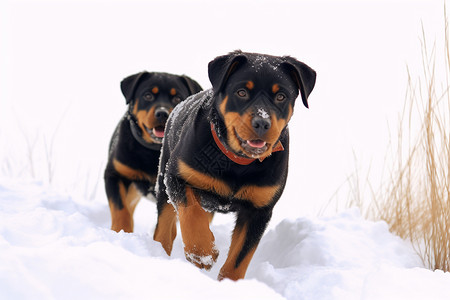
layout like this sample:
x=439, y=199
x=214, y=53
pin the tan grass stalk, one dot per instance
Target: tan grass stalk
x=415, y=200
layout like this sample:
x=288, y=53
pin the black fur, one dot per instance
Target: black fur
x=189, y=137
x=128, y=145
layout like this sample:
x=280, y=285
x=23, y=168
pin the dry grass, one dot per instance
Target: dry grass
x=414, y=200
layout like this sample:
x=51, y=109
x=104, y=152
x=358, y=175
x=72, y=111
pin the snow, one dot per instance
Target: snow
x=206, y=260
x=263, y=113
x=53, y=246
x=260, y=61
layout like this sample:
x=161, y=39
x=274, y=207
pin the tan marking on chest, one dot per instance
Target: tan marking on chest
x=131, y=173
x=203, y=181
x=259, y=195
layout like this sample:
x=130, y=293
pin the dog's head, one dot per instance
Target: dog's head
x=152, y=96
x=255, y=96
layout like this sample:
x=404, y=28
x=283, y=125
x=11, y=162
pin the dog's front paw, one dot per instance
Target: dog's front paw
x=203, y=259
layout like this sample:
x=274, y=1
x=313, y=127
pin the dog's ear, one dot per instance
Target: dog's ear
x=129, y=84
x=303, y=75
x=191, y=84
x=222, y=67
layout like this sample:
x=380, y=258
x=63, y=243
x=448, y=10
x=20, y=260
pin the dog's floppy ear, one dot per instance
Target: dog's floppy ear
x=129, y=84
x=303, y=75
x=222, y=67
x=191, y=84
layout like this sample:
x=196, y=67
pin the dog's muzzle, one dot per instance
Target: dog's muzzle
x=162, y=114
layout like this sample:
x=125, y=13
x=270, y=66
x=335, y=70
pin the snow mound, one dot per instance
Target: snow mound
x=56, y=247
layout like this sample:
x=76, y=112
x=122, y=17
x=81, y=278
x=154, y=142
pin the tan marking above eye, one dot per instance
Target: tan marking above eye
x=250, y=85
x=173, y=92
x=155, y=90
x=275, y=88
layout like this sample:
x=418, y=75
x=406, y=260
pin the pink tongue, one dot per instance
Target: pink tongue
x=256, y=143
x=158, y=132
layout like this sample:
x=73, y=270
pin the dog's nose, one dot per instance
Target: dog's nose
x=161, y=114
x=261, y=125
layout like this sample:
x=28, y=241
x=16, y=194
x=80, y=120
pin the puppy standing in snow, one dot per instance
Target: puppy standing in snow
x=136, y=143
x=226, y=150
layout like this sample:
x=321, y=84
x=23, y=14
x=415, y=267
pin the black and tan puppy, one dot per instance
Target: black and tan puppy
x=136, y=143
x=226, y=150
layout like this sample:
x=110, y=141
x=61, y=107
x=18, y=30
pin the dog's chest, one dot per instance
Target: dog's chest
x=224, y=184
x=210, y=160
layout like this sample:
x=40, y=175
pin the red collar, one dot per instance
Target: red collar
x=239, y=159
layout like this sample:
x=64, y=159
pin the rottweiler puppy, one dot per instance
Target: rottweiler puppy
x=135, y=146
x=226, y=150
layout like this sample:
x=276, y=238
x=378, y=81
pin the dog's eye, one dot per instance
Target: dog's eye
x=176, y=100
x=148, y=97
x=242, y=93
x=280, y=97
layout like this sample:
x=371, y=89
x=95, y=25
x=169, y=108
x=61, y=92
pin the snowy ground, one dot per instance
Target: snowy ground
x=55, y=247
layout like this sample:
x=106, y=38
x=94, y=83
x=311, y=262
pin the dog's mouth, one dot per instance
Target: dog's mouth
x=156, y=133
x=253, y=148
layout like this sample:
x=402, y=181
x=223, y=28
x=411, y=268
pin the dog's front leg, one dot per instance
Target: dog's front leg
x=166, y=228
x=123, y=198
x=250, y=226
x=199, y=246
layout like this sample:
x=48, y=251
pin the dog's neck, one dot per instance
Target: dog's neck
x=230, y=154
x=137, y=133
x=219, y=125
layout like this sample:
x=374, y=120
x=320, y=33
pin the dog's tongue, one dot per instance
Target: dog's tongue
x=256, y=143
x=158, y=131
